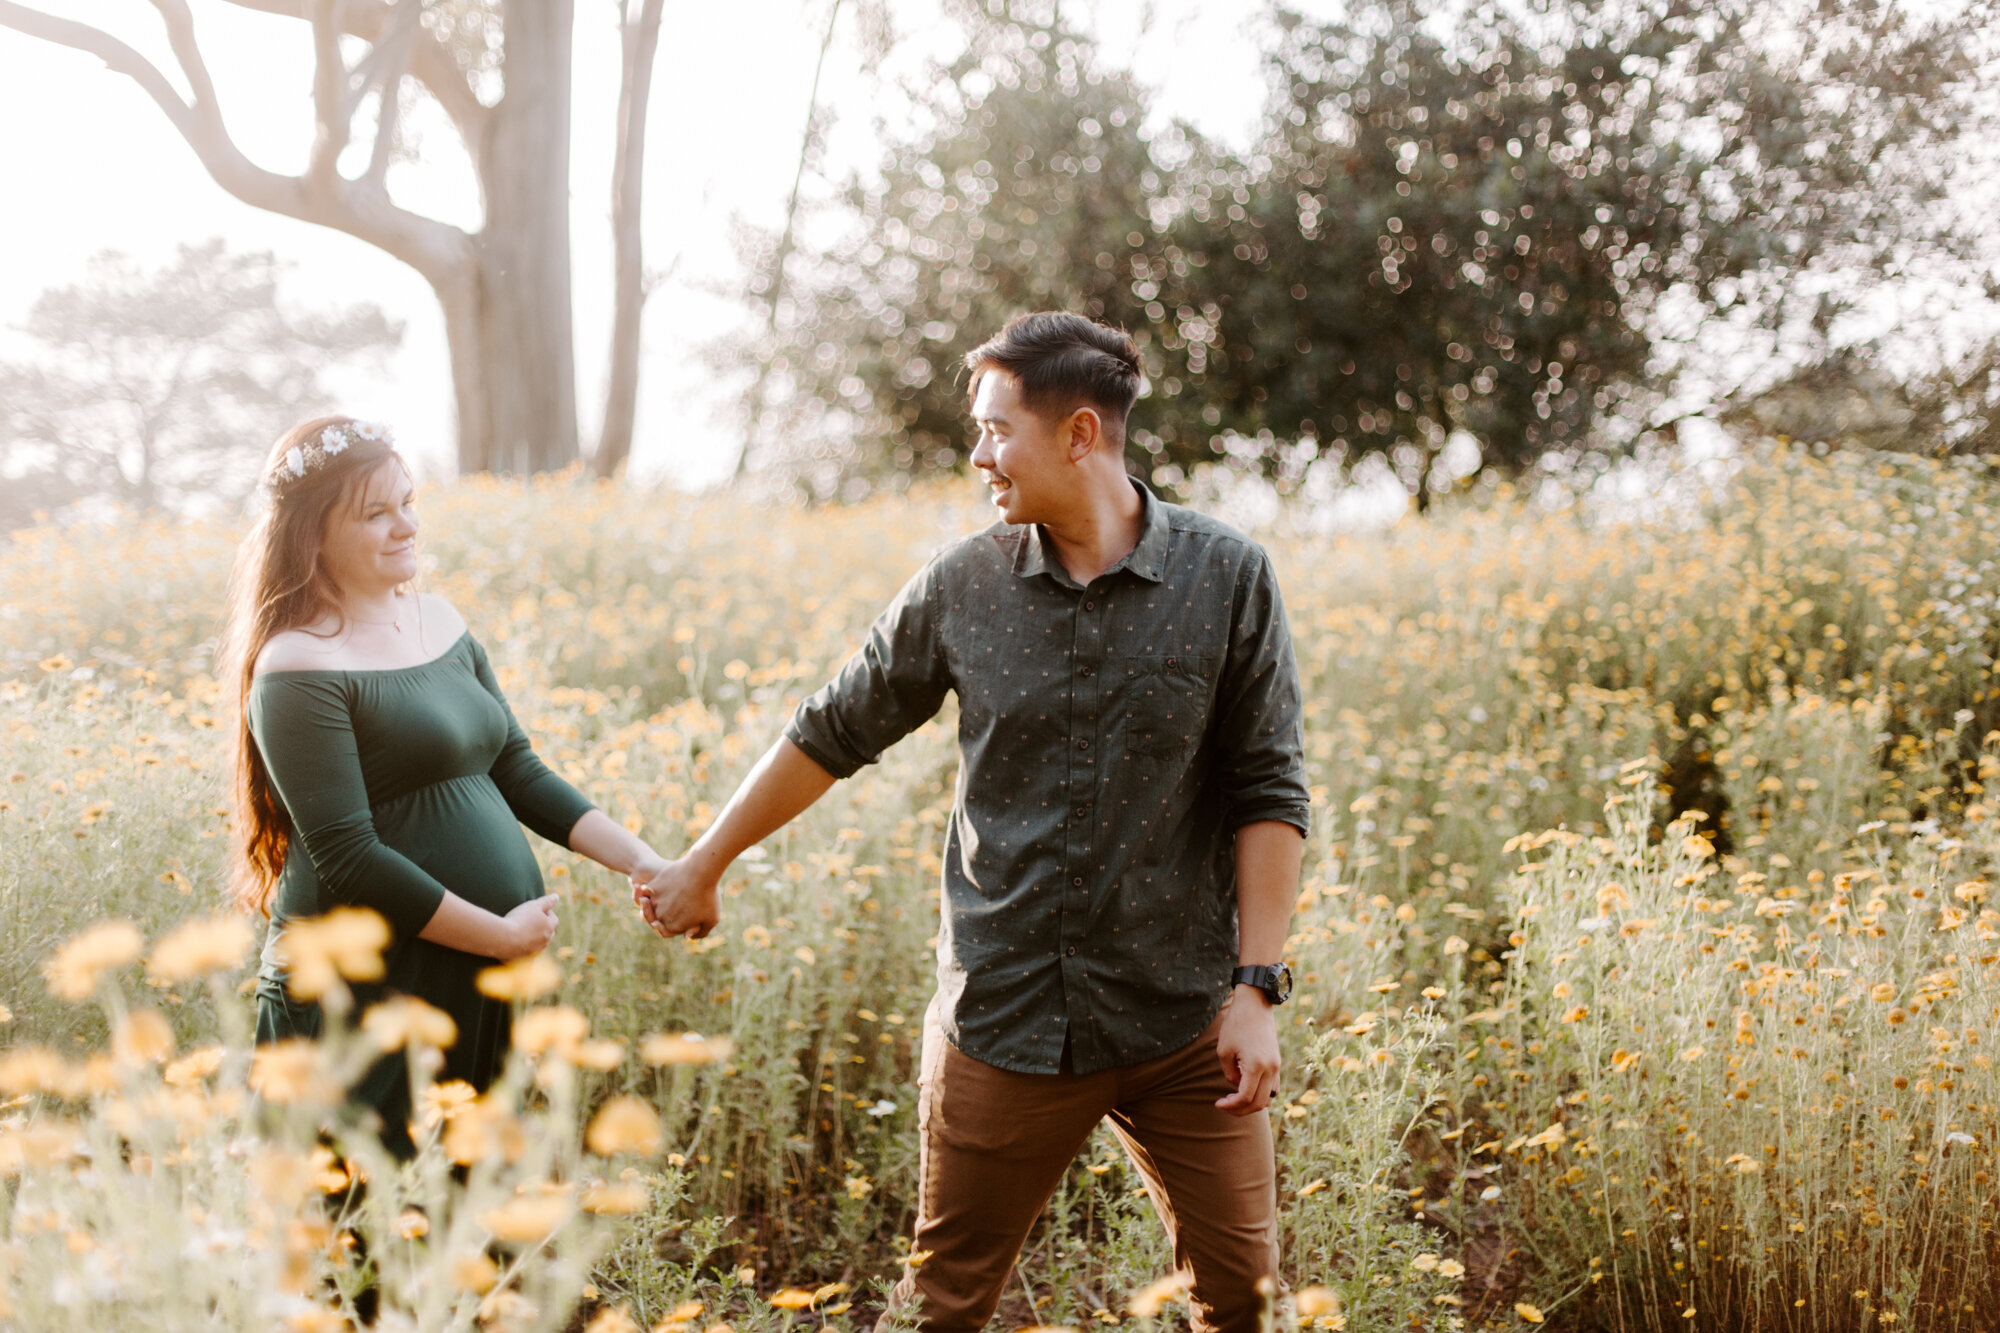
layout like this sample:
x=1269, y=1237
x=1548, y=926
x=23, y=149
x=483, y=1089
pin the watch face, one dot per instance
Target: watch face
x=1279, y=984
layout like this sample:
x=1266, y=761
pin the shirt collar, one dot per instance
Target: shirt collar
x=1036, y=553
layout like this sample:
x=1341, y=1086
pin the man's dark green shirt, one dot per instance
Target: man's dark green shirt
x=1112, y=739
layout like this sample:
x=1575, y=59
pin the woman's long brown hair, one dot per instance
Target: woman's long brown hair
x=279, y=584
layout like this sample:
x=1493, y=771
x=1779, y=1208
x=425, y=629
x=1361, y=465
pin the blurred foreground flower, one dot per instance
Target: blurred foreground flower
x=443, y=1100
x=481, y=1129
x=320, y=951
x=32, y=1147
x=408, y=1021
x=617, y=1200
x=527, y=1218
x=74, y=971
x=625, y=1125
x=214, y=944
x=689, y=1048
x=142, y=1037
x=292, y=1072
x=1146, y=1302
x=528, y=978
x=555, y=1029
x=1316, y=1302
x=192, y=1068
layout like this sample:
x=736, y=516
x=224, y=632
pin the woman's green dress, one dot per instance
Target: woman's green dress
x=401, y=784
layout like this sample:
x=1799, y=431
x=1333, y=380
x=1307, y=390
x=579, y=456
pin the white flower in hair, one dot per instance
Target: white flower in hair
x=295, y=461
x=371, y=430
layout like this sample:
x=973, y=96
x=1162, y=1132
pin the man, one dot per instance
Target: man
x=1125, y=847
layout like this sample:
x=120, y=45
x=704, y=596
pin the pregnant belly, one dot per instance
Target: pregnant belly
x=462, y=833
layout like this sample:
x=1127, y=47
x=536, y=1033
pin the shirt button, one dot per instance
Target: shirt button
x=1080, y=814
x=1083, y=745
x=1090, y=606
x=1089, y=671
x=1070, y=952
x=1078, y=881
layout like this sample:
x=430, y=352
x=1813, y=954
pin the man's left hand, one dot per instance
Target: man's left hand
x=1248, y=1048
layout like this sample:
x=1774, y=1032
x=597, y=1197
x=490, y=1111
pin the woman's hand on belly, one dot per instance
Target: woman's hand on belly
x=469, y=928
x=533, y=925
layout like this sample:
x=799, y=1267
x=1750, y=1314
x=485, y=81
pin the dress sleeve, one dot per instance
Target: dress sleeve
x=894, y=684
x=304, y=731
x=1262, y=716
x=538, y=798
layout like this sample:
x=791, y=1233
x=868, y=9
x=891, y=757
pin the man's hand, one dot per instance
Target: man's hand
x=678, y=899
x=1248, y=1048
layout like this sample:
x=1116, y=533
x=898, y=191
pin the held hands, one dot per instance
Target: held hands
x=529, y=927
x=1248, y=1049
x=677, y=898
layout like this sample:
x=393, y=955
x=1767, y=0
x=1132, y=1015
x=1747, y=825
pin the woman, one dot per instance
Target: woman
x=377, y=763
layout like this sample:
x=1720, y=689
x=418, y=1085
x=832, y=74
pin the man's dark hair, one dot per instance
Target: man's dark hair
x=1064, y=362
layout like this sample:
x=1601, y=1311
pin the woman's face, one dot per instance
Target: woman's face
x=370, y=545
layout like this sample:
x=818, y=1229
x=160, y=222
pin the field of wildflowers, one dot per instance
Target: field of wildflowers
x=1646, y=952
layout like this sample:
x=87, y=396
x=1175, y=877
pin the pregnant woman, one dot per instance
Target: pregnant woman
x=377, y=764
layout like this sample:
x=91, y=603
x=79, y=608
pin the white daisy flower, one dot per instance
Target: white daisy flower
x=370, y=430
x=295, y=461
x=334, y=440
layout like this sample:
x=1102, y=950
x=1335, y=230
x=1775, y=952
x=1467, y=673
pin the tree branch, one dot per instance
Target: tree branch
x=117, y=57
x=435, y=249
x=330, y=104
x=430, y=63
x=390, y=115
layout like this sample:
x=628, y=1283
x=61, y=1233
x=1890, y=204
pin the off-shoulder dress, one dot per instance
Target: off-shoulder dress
x=400, y=784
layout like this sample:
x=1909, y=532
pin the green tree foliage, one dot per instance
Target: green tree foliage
x=163, y=388
x=1458, y=218
x=1474, y=227
x=1034, y=190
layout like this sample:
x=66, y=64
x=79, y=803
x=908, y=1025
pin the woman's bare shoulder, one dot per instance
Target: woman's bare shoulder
x=299, y=650
x=442, y=623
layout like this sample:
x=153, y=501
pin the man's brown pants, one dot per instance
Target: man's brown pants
x=995, y=1144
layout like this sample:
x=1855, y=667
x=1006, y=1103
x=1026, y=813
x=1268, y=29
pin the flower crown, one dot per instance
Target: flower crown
x=329, y=443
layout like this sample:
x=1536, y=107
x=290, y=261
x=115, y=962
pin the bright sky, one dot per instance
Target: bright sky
x=90, y=164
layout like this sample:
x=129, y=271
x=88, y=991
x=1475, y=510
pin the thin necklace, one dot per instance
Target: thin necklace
x=396, y=624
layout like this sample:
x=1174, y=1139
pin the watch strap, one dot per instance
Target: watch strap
x=1264, y=977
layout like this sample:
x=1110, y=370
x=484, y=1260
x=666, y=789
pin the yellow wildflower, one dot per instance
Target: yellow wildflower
x=1146, y=1302
x=689, y=1048
x=291, y=1072
x=407, y=1021
x=319, y=951
x=74, y=971
x=142, y=1037
x=528, y=978
x=554, y=1029
x=212, y=944
x=527, y=1218
x=625, y=1124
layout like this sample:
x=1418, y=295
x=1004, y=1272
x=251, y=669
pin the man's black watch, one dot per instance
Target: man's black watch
x=1275, y=982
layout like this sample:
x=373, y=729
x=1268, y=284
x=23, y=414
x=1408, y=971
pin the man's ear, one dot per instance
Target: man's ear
x=1086, y=433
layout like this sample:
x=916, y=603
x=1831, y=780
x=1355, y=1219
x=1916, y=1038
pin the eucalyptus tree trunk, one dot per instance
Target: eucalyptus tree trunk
x=524, y=337
x=640, y=40
x=505, y=289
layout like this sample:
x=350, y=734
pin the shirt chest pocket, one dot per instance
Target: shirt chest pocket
x=1163, y=704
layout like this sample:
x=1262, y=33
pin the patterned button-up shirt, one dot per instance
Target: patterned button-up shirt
x=1112, y=739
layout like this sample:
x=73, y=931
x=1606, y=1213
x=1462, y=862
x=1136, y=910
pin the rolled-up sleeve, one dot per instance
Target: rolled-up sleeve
x=895, y=683
x=304, y=731
x=1261, y=723
x=539, y=798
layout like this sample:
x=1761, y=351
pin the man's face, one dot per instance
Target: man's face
x=1023, y=458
